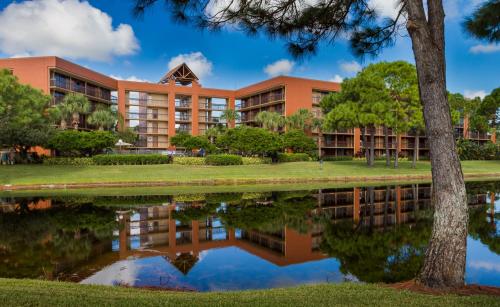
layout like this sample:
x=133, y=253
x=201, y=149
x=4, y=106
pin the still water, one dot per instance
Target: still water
x=238, y=240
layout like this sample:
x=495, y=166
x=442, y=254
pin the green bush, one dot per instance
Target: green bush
x=292, y=157
x=249, y=141
x=255, y=160
x=338, y=158
x=131, y=159
x=223, y=160
x=470, y=150
x=68, y=161
x=81, y=143
x=298, y=141
x=189, y=160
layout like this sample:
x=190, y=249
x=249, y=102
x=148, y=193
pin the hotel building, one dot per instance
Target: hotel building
x=179, y=103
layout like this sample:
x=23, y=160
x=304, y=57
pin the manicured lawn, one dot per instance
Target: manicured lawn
x=48, y=174
x=42, y=293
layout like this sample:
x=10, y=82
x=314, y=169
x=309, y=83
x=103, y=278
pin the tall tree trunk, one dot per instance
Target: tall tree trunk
x=444, y=264
x=76, y=120
x=372, y=146
x=386, y=204
x=416, y=149
x=396, y=152
x=365, y=145
x=387, y=150
x=320, y=138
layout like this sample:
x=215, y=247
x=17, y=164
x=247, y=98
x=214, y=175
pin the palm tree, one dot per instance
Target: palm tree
x=317, y=124
x=211, y=133
x=76, y=104
x=300, y=120
x=102, y=118
x=230, y=115
x=61, y=113
x=270, y=120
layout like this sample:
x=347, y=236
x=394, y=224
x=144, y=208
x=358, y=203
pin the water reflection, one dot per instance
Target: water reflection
x=226, y=241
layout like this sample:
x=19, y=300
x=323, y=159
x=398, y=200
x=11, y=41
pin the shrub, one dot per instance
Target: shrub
x=255, y=160
x=81, y=143
x=298, y=141
x=249, y=141
x=190, y=142
x=189, y=160
x=131, y=159
x=338, y=158
x=470, y=150
x=292, y=157
x=68, y=161
x=223, y=160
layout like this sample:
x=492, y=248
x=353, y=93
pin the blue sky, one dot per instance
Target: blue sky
x=104, y=36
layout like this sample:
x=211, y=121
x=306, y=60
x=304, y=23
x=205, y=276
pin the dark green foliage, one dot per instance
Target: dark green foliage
x=223, y=159
x=293, y=157
x=298, y=141
x=470, y=150
x=190, y=142
x=249, y=141
x=23, y=114
x=131, y=159
x=81, y=143
x=127, y=135
x=485, y=21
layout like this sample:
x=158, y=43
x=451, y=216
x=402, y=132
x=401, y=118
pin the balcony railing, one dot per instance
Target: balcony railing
x=478, y=135
x=151, y=130
x=183, y=117
x=89, y=90
x=183, y=130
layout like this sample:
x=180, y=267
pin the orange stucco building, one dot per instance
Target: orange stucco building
x=179, y=103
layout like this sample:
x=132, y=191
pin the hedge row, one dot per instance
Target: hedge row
x=110, y=160
x=131, y=159
x=223, y=160
x=293, y=157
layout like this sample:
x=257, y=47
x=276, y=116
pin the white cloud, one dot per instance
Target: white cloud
x=473, y=94
x=131, y=78
x=485, y=265
x=386, y=8
x=337, y=78
x=280, y=67
x=489, y=48
x=66, y=28
x=196, y=61
x=351, y=67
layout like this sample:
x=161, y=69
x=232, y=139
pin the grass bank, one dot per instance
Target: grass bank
x=19, y=175
x=43, y=293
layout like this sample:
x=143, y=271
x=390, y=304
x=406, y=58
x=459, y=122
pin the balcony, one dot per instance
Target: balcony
x=210, y=120
x=183, y=130
x=151, y=130
x=183, y=118
x=345, y=144
x=478, y=135
x=80, y=87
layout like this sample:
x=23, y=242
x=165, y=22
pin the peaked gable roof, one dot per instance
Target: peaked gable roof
x=181, y=73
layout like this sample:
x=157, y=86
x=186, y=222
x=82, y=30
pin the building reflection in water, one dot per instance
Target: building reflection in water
x=152, y=231
x=282, y=228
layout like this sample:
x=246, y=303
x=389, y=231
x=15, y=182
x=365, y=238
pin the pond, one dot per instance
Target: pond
x=237, y=240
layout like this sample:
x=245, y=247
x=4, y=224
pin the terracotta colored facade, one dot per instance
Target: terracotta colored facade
x=178, y=103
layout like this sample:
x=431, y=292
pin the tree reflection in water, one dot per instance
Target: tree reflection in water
x=378, y=234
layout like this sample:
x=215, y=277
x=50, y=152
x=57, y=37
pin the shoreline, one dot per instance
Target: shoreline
x=230, y=182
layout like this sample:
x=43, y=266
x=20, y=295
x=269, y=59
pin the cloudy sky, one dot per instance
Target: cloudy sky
x=103, y=35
